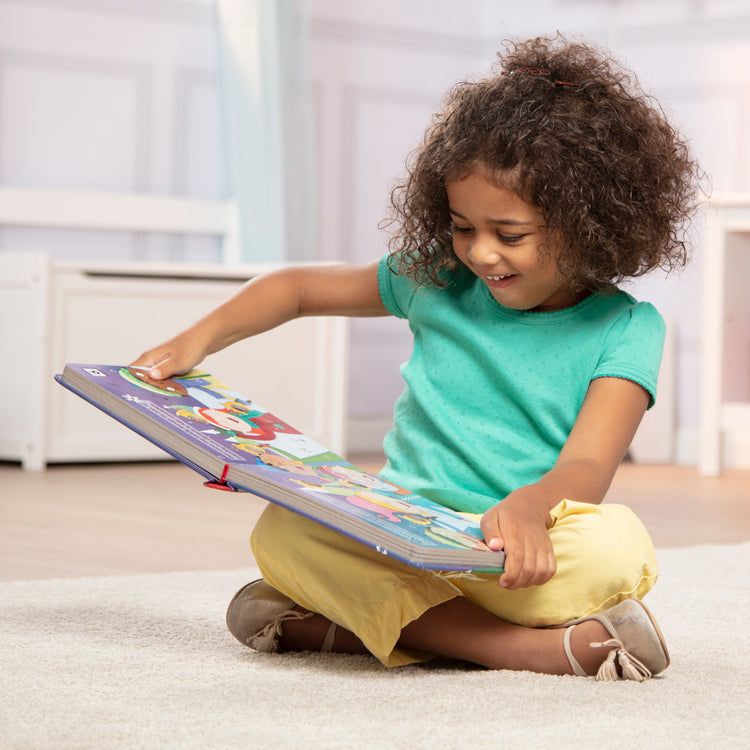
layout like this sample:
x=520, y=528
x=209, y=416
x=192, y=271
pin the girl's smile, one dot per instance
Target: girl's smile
x=498, y=236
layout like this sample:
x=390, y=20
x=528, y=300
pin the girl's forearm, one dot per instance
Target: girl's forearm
x=583, y=479
x=261, y=304
x=280, y=296
x=264, y=303
x=605, y=427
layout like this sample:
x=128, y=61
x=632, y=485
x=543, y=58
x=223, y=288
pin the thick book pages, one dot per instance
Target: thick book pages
x=236, y=444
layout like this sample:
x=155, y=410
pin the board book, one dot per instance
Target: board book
x=235, y=444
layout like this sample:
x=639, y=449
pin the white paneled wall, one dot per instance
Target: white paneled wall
x=114, y=95
x=124, y=95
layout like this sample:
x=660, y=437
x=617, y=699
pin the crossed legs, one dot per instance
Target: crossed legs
x=458, y=629
x=402, y=615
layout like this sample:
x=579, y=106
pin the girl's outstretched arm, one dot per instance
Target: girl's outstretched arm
x=603, y=431
x=265, y=302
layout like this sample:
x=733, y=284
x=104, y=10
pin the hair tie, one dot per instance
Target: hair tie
x=540, y=73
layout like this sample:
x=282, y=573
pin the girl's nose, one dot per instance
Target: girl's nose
x=484, y=252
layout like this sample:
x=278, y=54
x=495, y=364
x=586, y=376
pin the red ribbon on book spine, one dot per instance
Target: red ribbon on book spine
x=222, y=483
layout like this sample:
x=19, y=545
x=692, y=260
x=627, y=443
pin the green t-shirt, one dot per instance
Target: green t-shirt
x=491, y=393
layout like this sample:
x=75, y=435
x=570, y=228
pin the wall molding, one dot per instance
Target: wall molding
x=188, y=81
x=393, y=37
x=201, y=12
x=705, y=92
x=139, y=73
x=695, y=29
x=353, y=98
x=141, y=76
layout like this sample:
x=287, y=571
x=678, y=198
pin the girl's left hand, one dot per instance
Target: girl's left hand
x=519, y=526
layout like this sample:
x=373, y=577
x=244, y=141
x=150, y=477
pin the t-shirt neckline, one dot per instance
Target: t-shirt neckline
x=540, y=317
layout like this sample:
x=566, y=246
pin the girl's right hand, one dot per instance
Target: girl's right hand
x=174, y=357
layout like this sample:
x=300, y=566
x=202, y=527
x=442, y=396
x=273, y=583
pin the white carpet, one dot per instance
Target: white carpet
x=145, y=662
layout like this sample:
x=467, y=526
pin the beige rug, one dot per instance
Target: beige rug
x=145, y=662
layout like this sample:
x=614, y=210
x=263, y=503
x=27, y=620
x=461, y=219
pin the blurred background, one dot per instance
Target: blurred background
x=299, y=115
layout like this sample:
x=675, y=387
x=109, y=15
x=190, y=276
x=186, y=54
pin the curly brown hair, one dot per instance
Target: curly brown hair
x=615, y=182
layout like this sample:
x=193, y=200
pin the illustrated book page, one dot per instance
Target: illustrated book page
x=236, y=444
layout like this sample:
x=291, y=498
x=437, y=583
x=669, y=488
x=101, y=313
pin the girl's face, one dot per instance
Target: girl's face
x=497, y=235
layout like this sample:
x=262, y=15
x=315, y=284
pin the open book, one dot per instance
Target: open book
x=235, y=444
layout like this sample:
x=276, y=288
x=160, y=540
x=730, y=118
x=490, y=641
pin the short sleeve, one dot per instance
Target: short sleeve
x=396, y=290
x=633, y=348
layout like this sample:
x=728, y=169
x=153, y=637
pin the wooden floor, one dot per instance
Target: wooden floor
x=117, y=519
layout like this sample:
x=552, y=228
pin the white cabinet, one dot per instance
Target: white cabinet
x=725, y=394
x=52, y=313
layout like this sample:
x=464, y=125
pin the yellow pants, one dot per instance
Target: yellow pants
x=604, y=555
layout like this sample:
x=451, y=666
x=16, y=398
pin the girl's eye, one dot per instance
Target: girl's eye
x=460, y=230
x=510, y=240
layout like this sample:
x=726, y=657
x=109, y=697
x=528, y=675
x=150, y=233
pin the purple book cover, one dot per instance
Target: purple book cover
x=223, y=435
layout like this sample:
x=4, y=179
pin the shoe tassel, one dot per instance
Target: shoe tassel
x=630, y=667
x=267, y=640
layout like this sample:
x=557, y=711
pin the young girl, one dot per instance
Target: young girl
x=534, y=192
